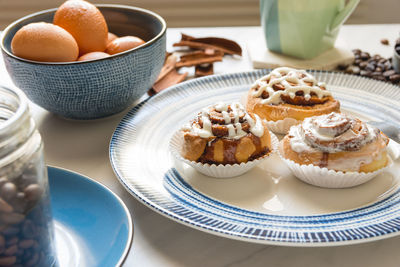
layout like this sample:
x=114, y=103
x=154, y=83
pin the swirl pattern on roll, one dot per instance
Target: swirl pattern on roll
x=223, y=120
x=331, y=133
x=291, y=86
x=225, y=134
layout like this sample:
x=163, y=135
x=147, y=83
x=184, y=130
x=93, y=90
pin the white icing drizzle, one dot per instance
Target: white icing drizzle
x=235, y=130
x=283, y=76
x=334, y=127
x=221, y=106
x=226, y=116
x=256, y=127
x=299, y=144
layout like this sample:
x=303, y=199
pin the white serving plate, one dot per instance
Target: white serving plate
x=267, y=204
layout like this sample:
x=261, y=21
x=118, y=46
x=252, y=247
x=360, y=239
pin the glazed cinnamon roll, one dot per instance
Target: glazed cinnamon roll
x=337, y=142
x=287, y=93
x=225, y=134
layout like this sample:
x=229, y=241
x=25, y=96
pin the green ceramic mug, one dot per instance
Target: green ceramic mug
x=303, y=28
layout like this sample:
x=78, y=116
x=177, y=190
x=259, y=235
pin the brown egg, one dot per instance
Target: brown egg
x=85, y=23
x=122, y=44
x=92, y=56
x=111, y=37
x=44, y=42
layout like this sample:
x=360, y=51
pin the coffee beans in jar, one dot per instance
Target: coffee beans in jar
x=26, y=228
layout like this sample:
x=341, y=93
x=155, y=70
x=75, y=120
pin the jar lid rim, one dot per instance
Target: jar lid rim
x=22, y=109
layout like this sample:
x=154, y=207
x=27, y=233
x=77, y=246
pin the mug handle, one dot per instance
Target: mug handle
x=344, y=14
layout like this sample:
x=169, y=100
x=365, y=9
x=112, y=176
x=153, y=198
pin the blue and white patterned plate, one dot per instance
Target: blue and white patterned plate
x=268, y=204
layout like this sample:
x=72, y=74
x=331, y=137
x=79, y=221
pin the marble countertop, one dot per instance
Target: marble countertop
x=82, y=146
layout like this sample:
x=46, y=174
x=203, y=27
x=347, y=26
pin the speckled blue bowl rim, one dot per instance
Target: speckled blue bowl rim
x=138, y=9
x=177, y=187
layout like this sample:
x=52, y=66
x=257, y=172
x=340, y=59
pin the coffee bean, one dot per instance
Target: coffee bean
x=356, y=51
x=370, y=67
x=19, y=203
x=366, y=73
x=357, y=61
x=5, y=207
x=356, y=70
x=395, y=78
x=388, y=73
x=26, y=243
x=8, y=261
x=28, y=229
x=397, y=41
x=20, y=252
x=376, y=57
x=342, y=66
x=372, y=62
x=36, y=246
x=9, y=231
x=382, y=60
x=363, y=64
x=381, y=66
x=349, y=70
x=42, y=259
x=11, y=250
x=379, y=69
x=32, y=261
x=27, y=255
x=3, y=180
x=33, y=192
x=8, y=190
x=385, y=41
x=12, y=240
x=27, y=179
x=2, y=241
x=11, y=218
x=379, y=77
x=364, y=55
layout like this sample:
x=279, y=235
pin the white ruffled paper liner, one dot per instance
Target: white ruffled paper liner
x=219, y=171
x=323, y=177
x=281, y=126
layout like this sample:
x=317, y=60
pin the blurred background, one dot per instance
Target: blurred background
x=202, y=13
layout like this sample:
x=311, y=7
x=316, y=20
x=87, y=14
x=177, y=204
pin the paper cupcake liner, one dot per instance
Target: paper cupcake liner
x=219, y=171
x=323, y=177
x=281, y=126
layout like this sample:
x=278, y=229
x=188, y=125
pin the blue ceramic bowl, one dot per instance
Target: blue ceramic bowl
x=93, y=227
x=96, y=88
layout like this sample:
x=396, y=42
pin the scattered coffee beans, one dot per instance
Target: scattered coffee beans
x=385, y=41
x=375, y=67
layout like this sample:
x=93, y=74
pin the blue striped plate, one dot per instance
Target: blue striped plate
x=267, y=205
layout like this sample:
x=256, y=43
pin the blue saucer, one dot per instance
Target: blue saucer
x=93, y=226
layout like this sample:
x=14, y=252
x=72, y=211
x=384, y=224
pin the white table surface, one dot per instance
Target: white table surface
x=82, y=146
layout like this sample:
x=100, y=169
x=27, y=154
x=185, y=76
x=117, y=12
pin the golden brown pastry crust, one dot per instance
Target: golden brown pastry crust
x=289, y=93
x=284, y=110
x=352, y=145
x=322, y=159
x=219, y=148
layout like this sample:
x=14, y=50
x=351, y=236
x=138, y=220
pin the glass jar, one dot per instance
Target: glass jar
x=26, y=227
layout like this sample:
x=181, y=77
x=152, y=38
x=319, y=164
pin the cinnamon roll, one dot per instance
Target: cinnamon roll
x=291, y=95
x=337, y=142
x=225, y=134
